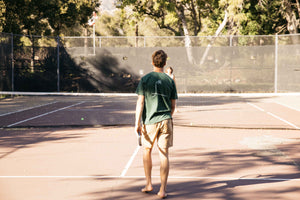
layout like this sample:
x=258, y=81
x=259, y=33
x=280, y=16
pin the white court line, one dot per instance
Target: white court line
x=290, y=107
x=44, y=114
x=142, y=177
x=275, y=116
x=28, y=108
x=285, y=121
x=255, y=106
x=130, y=161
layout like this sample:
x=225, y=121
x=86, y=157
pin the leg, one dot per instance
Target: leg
x=164, y=171
x=147, y=160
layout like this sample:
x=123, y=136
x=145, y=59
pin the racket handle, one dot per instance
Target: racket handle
x=139, y=139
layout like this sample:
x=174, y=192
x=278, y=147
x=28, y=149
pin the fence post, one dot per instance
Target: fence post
x=58, y=70
x=230, y=74
x=94, y=40
x=12, y=64
x=276, y=65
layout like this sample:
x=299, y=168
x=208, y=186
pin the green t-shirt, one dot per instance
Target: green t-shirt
x=158, y=89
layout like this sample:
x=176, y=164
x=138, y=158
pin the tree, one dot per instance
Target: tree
x=45, y=18
x=261, y=18
x=290, y=9
x=48, y=17
x=235, y=14
x=2, y=14
x=182, y=17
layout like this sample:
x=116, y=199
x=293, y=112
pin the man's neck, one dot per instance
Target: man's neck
x=157, y=69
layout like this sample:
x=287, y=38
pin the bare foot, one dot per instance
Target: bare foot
x=147, y=189
x=162, y=195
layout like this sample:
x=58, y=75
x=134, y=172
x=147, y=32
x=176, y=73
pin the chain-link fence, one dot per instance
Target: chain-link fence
x=115, y=64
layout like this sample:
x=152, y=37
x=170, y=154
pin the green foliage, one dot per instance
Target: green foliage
x=47, y=17
x=127, y=23
x=262, y=18
x=245, y=17
x=173, y=17
x=2, y=14
x=110, y=25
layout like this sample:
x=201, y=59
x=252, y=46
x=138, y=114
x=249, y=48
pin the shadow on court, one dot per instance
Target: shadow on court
x=223, y=174
x=194, y=101
x=193, y=162
x=204, y=189
x=100, y=110
x=12, y=140
x=206, y=163
x=292, y=151
x=216, y=171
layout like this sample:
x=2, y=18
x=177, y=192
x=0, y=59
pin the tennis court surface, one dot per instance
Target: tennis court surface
x=83, y=147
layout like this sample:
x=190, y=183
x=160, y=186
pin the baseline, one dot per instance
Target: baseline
x=158, y=177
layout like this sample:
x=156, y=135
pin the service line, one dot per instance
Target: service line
x=290, y=107
x=275, y=116
x=27, y=109
x=44, y=114
x=130, y=161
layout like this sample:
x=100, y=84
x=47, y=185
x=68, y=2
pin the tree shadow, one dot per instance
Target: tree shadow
x=199, y=111
x=197, y=101
x=227, y=162
x=206, y=178
x=292, y=151
x=196, y=189
x=227, y=189
x=96, y=111
x=11, y=140
x=101, y=73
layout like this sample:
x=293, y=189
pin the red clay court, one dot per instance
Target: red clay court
x=84, y=147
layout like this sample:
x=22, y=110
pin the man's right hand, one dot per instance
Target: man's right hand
x=138, y=129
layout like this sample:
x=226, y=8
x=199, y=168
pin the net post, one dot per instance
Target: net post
x=276, y=64
x=58, y=70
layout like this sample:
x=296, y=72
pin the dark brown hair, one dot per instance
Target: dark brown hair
x=170, y=69
x=159, y=58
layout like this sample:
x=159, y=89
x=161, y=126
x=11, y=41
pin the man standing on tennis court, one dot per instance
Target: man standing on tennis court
x=157, y=95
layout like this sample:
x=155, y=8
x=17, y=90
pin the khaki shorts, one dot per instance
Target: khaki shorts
x=161, y=131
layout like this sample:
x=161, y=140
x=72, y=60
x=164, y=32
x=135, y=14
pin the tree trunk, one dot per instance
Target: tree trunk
x=213, y=39
x=187, y=39
x=136, y=34
x=290, y=16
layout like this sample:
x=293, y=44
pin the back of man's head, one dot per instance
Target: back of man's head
x=159, y=58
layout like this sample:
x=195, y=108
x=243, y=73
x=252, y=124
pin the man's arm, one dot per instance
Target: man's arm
x=138, y=113
x=173, y=104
